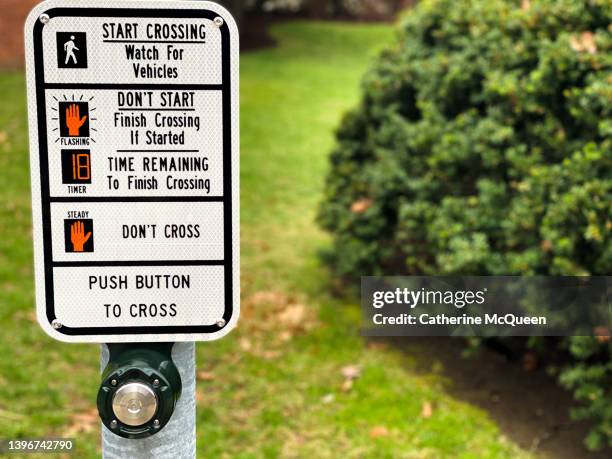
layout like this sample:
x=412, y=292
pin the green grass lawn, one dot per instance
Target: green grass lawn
x=275, y=387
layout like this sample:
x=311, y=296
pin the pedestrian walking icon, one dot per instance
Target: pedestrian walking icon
x=69, y=48
x=72, y=50
x=78, y=235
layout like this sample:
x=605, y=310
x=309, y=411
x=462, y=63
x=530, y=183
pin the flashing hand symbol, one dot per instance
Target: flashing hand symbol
x=78, y=236
x=74, y=120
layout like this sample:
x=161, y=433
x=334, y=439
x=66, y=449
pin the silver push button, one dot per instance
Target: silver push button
x=134, y=404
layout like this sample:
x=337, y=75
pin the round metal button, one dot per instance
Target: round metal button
x=134, y=404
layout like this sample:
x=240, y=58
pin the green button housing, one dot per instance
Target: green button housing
x=145, y=363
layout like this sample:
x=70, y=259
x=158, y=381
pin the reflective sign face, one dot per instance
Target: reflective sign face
x=134, y=159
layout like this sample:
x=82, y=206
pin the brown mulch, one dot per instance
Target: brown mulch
x=12, y=17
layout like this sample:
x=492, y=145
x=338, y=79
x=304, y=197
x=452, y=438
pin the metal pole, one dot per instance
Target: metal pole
x=177, y=440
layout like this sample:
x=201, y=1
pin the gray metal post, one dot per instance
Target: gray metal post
x=177, y=440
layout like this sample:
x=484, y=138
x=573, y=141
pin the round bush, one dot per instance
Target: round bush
x=482, y=146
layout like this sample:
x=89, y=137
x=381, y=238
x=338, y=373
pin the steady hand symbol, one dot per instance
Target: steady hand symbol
x=78, y=236
x=74, y=120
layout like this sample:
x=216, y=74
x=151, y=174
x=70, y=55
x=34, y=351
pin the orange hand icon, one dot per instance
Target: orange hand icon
x=78, y=236
x=74, y=120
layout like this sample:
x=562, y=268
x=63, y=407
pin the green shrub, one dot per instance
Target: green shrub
x=482, y=146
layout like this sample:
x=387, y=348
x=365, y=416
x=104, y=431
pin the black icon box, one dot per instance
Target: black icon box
x=71, y=50
x=79, y=235
x=76, y=167
x=67, y=116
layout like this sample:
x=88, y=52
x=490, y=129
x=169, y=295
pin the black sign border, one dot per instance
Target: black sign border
x=226, y=89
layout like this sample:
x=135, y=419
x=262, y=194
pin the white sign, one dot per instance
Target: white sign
x=134, y=151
